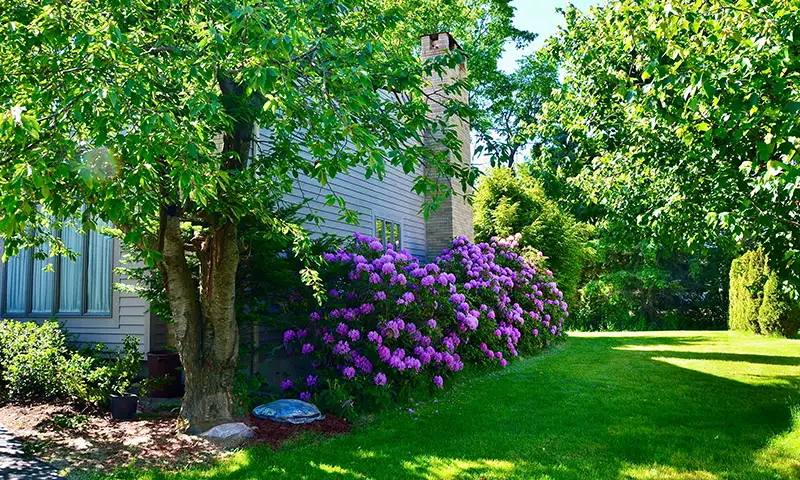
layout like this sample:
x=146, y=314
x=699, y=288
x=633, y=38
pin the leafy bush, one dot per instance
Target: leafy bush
x=648, y=287
x=757, y=302
x=392, y=326
x=31, y=360
x=507, y=202
x=747, y=291
x=777, y=314
x=36, y=363
x=608, y=304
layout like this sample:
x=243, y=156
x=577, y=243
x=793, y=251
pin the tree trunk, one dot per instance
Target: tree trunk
x=203, y=309
x=206, y=332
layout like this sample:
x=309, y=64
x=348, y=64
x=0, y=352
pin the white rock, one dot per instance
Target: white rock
x=228, y=431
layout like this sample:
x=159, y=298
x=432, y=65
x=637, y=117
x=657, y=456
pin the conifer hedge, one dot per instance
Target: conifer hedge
x=757, y=303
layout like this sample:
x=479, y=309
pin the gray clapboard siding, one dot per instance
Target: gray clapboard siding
x=391, y=198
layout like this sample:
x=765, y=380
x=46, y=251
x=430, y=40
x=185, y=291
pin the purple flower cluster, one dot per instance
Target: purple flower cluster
x=391, y=320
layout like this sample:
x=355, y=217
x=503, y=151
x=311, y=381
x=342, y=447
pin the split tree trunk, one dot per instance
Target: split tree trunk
x=206, y=331
x=203, y=309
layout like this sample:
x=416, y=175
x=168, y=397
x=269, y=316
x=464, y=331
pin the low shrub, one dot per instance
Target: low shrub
x=31, y=360
x=37, y=363
x=609, y=304
x=393, y=327
x=757, y=302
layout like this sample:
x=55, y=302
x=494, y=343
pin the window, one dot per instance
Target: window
x=388, y=231
x=60, y=286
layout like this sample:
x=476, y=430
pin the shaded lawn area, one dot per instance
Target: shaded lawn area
x=672, y=405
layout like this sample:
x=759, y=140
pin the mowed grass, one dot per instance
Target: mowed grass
x=673, y=405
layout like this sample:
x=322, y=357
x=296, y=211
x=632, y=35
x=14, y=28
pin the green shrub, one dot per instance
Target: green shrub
x=608, y=304
x=757, y=303
x=509, y=202
x=660, y=294
x=36, y=363
x=31, y=357
x=747, y=291
x=777, y=313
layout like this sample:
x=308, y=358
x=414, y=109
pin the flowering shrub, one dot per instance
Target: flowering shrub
x=393, y=326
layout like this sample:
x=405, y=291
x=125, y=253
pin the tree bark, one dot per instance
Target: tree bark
x=206, y=331
x=203, y=309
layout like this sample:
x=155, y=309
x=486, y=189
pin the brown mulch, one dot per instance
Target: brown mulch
x=100, y=442
x=152, y=440
x=274, y=433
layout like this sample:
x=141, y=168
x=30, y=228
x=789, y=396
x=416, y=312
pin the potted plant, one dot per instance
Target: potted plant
x=125, y=369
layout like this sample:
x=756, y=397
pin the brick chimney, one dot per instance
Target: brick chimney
x=454, y=216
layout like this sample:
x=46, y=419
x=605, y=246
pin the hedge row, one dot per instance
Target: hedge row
x=757, y=303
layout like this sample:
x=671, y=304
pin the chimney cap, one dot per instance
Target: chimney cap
x=453, y=43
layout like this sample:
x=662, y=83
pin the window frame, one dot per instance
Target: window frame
x=56, y=296
x=398, y=242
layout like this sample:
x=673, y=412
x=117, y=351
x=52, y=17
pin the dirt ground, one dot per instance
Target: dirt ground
x=81, y=440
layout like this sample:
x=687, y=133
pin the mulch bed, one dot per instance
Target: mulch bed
x=274, y=433
x=98, y=442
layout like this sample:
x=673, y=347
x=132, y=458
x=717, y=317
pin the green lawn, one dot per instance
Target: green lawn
x=677, y=405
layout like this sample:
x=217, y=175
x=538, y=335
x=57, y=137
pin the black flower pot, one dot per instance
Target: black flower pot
x=123, y=406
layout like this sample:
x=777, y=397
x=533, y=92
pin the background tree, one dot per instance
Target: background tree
x=509, y=107
x=145, y=115
x=685, y=114
x=507, y=203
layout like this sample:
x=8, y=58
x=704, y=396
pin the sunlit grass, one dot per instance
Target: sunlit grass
x=673, y=406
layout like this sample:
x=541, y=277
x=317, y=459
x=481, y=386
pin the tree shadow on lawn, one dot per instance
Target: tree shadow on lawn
x=581, y=411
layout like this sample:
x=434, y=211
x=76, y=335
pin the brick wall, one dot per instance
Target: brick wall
x=454, y=217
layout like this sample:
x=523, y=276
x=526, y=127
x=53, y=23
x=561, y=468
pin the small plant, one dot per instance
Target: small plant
x=127, y=366
x=151, y=384
x=69, y=422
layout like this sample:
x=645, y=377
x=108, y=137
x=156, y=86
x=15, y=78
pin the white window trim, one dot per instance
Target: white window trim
x=392, y=219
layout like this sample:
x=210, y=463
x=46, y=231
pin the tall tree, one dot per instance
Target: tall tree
x=510, y=105
x=146, y=115
x=685, y=113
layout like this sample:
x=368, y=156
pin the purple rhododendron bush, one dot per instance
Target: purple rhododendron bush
x=392, y=326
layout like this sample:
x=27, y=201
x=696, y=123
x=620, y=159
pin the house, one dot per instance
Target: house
x=79, y=293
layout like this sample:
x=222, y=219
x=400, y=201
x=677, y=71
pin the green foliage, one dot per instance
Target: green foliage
x=747, y=291
x=609, y=303
x=31, y=357
x=508, y=202
x=758, y=303
x=36, y=363
x=69, y=422
x=141, y=94
x=678, y=120
x=510, y=104
x=649, y=288
x=777, y=313
x=271, y=288
x=127, y=366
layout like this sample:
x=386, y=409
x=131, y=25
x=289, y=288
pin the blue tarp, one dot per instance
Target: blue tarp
x=288, y=411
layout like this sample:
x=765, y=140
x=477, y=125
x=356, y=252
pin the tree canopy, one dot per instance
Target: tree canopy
x=175, y=120
x=679, y=120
